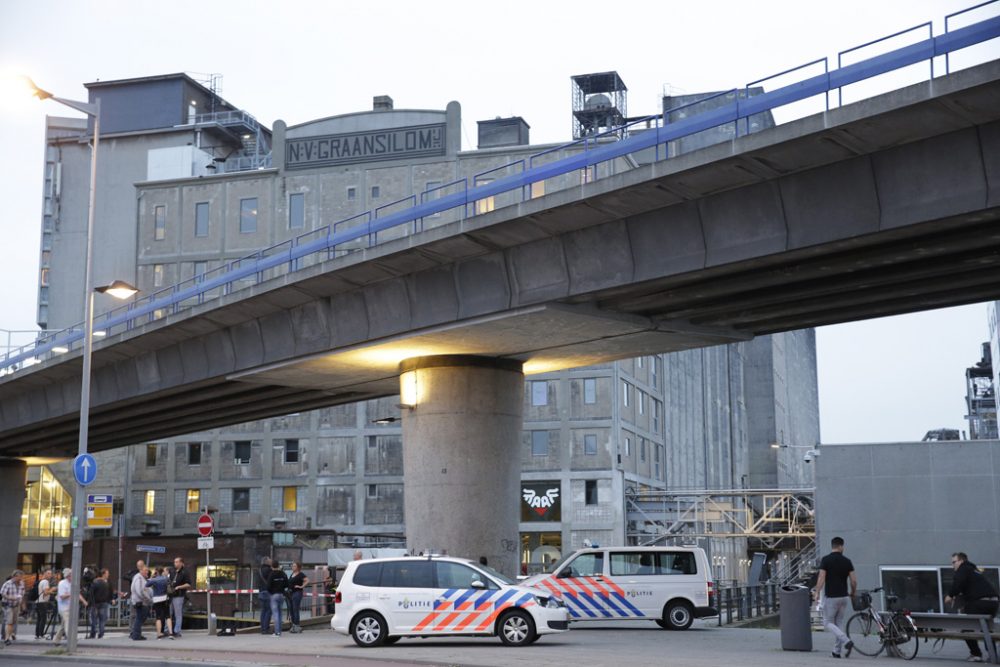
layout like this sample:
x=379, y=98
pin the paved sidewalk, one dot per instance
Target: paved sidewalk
x=594, y=644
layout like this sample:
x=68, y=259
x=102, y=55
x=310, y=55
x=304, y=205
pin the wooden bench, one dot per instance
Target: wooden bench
x=979, y=627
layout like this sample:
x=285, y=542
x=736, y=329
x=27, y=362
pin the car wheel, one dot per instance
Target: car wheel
x=678, y=615
x=516, y=628
x=368, y=629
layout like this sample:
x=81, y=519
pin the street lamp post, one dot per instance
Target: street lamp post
x=117, y=288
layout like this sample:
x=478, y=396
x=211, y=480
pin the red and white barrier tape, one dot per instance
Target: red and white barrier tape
x=241, y=591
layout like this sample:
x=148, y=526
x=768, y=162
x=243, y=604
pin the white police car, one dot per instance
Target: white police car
x=379, y=601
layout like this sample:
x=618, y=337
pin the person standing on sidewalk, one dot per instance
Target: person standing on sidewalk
x=100, y=601
x=12, y=593
x=277, y=585
x=264, y=594
x=63, y=596
x=296, y=586
x=979, y=595
x=834, y=572
x=141, y=598
x=181, y=583
x=43, y=604
x=161, y=603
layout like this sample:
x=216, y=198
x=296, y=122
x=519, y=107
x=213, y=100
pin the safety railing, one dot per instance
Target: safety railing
x=372, y=227
x=742, y=603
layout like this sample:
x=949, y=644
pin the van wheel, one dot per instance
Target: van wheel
x=677, y=615
x=368, y=629
x=516, y=628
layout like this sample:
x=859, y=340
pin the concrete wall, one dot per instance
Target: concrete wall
x=911, y=503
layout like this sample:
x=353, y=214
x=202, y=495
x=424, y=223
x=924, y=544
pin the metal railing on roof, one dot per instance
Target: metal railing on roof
x=363, y=230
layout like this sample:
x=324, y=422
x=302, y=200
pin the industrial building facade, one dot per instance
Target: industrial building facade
x=188, y=183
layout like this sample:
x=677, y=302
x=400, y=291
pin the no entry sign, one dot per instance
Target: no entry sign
x=205, y=525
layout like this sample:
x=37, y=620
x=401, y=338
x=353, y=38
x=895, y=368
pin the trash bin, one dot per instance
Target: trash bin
x=796, y=630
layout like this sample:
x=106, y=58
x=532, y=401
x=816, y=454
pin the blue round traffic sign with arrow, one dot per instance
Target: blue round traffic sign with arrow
x=84, y=469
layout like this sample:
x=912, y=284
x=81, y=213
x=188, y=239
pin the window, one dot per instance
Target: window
x=150, y=504
x=587, y=565
x=200, y=268
x=193, y=501
x=642, y=449
x=408, y=574
x=626, y=393
x=150, y=456
x=654, y=365
x=44, y=277
x=241, y=452
x=296, y=211
x=291, y=451
x=373, y=491
x=241, y=500
x=641, y=395
x=539, y=443
x=486, y=204
x=655, y=408
x=638, y=362
x=376, y=191
x=628, y=446
x=352, y=193
x=368, y=574
x=537, y=189
x=456, y=575
x=590, y=491
x=157, y=275
x=590, y=391
x=289, y=499
x=652, y=562
x=658, y=453
x=540, y=393
x=248, y=215
x=590, y=444
x=194, y=453
x=201, y=219
x=160, y=223
x=43, y=294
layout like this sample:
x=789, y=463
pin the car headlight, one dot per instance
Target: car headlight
x=552, y=602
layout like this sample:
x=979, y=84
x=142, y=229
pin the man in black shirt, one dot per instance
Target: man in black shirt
x=834, y=572
x=976, y=591
x=181, y=581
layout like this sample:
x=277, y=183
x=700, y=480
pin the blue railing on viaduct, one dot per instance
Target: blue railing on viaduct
x=327, y=242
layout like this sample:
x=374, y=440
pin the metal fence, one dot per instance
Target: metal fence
x=742, y=603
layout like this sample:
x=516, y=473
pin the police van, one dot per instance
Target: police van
x=381, y=600
x=669, y=585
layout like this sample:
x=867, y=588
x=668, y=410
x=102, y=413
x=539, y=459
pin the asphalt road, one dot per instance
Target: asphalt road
x=620, y=644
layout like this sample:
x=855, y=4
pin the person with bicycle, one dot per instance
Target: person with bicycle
x=978, y=595
x=835, y=570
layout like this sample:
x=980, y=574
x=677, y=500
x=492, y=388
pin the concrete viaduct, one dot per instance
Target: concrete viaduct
x=882, y=207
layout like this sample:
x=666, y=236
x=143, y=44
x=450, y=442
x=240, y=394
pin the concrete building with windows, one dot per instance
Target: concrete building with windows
x=188, y=183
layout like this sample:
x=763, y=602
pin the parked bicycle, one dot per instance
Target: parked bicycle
x=873, y=631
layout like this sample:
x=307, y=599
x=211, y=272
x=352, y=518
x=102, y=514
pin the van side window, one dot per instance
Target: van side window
x=633, y=563
x=455, y=575
x=408, y=574
x=678, y=562
x=585, y=565
x=368, y=574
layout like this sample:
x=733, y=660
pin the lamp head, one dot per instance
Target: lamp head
x=118, y=289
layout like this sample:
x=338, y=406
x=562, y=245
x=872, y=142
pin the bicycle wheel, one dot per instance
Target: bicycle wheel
x=864, y=632
x=904, y=639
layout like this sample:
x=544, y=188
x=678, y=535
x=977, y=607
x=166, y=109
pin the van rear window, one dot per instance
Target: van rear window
x=367, y=574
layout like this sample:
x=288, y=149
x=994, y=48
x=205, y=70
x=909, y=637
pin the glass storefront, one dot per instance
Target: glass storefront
x=540, y=551
x=47, y=506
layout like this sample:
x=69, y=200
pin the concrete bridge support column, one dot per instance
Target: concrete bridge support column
x=462, y=456
x=13, y=474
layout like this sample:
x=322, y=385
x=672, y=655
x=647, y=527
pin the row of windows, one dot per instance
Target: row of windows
x=241, y=499
x=242, y=451
x=249, y=212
